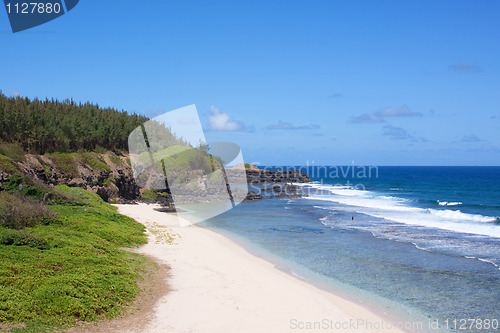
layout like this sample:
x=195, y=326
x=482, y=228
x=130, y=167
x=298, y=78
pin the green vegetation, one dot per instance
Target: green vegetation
x=7, y=164
x=247, y=166
x=23, y=185
x=12, y=150
x=47, y=170
x=109, y=180
x=54, y=126
x=115, y=159
x=61, y=262
x=19, y=212
x=95, y=162
x=181, y=164
x=65, y=163
x=182, y=158
x=149, y=194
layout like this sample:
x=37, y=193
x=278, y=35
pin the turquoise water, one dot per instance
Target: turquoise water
x=419, y=241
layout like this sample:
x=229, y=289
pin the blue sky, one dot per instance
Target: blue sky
x=292, y=82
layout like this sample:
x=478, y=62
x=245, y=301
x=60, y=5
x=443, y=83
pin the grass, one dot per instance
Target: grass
x=47, y=170
x=109, y=180
x=178, y=161
x=7, y=164
x=115, y=159
x=13, y=151
x=65, y=163
x=94, y=161
x=149, y=194
x=72, y=269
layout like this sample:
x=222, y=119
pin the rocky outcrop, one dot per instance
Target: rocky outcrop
x=107, y=175
x=257, y=176
x=263, y=177
x=245, y=166
x=110, y=176
x=282, y=191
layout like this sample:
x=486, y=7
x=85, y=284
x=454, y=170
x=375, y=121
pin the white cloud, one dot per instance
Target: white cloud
x=220, y=121
x=281, y=125
x=398, y=133
x=366, y=118
x=379, y=116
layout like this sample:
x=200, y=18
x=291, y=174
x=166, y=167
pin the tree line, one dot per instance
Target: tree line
x=44, y=126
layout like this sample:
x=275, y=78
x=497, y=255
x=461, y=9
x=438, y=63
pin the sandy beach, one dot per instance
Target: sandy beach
x=217, y=286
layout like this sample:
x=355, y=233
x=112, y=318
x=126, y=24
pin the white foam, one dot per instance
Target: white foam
x=458, y=215
x=489, y=262
x=397, y=210
x=446, y=203
x=484, y=260
x=420, y=247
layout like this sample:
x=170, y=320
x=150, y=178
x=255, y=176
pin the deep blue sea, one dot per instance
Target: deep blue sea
x=422, y=243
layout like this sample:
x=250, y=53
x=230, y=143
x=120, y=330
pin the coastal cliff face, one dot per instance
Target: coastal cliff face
x=106, y=174
x=110, y=176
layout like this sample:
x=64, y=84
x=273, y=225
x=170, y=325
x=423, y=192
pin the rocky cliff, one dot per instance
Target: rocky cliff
x=107, y=174
x=110, y=176
x=259, y=177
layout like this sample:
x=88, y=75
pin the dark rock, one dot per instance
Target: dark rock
x=252, y=196
x=266, y=177
x=166, y=210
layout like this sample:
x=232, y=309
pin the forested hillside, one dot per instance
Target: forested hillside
x=75, y=144
x=54, y=126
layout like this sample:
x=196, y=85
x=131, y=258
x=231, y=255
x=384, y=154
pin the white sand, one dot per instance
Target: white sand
x=217, y=286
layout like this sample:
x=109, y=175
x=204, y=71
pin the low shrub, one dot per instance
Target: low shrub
x=149, y=194
x=109, y=180
x=21, y=237
x=115, y=159
x=12, y=150
x=65, y=163
x=19, y=212
x=93, y=160
x=68, y=272
x=7, y=164
x=24, y=185
x=67, y=196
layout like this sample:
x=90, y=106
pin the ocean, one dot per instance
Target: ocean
x=421, y=243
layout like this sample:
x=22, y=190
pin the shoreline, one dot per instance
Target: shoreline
x=219, y=285
x=366, y=300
